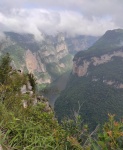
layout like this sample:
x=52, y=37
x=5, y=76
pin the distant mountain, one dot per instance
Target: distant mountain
x=80, y=43
x=95, y=86
x=47, y=59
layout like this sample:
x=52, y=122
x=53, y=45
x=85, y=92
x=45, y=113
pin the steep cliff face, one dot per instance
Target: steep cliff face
x=37, y=57
x=82, y=68
x=46, y=59
x=33, y=62
x=95, y=86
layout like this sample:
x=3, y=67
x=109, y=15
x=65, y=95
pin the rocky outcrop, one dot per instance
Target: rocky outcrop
x=96, y=83
x=110, y=83
x=33, y=99
x=43, y=81
x=61, y=65
x=106, y=58
x=41, y=67
x=37, y=61
x=41, y=57
x=114, y=84
x=1, y=147
x=31, y=62
x=60, y=47
x=81, y=69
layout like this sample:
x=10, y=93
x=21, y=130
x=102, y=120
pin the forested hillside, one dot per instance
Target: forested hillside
x=26, y=119
x=47, y=58
x=28, y=123
x=96, y=82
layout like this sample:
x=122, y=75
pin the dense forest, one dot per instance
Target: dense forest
x=99, y=91
x=34, y=127
x=96, y=98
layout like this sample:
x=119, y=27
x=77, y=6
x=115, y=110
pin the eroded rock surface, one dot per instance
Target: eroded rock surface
x=82, y=68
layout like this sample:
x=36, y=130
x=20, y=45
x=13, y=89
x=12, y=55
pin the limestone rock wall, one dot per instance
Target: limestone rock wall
x=82, y=68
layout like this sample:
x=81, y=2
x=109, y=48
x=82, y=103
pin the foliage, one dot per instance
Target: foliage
x=32, y=81
x=67, y=61
x=111, y=137
x=54, y=70
x=36, y=128
x=75, y=128
x=111, y=40
x=97, y=100
x=5, y=69
x=25, y=41
x=93, y=90
x=28, y=128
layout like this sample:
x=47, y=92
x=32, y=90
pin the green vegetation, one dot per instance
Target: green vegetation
x=41, y=87
x=46, y=56
x=16, y=53
x=52, y=91
x=54, y=70
x=96, y=97
x=32, y=81
x=25, y=41
x=67, y=61
x=111, y=137
x=35, y=127
x=110, y=41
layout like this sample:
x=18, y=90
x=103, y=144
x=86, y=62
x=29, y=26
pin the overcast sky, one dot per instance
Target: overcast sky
x=90, y=17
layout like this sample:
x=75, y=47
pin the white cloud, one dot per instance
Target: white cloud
x=72, y=16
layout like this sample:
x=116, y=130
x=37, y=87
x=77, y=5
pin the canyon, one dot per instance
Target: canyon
x=95, y=86
x=48, y=58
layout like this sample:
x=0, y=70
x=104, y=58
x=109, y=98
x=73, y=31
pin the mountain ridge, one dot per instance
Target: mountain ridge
x=95, y=83
x=47, y=59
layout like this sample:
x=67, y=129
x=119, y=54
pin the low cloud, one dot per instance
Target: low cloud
x=72, y=16
x=37, y=21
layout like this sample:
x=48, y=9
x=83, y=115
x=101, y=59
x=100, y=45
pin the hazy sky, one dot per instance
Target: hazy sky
x=90, y=17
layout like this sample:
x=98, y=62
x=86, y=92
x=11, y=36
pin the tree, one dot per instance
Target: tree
x=5, y=68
